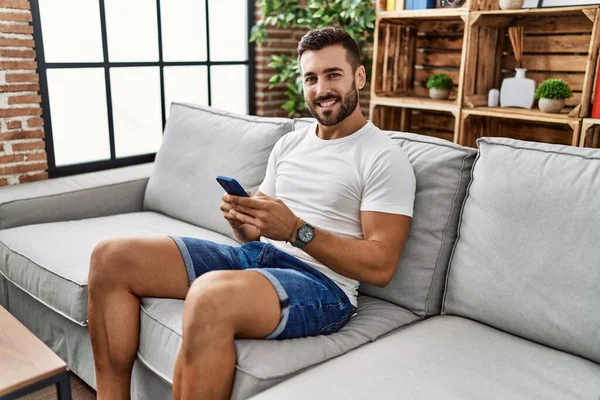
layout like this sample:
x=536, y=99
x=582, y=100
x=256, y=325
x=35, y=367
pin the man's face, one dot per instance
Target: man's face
x=330, y=88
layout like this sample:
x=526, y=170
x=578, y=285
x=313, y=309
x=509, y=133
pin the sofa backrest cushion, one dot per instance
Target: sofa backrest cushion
x=199, y=144
x=443, y=171
x=527, y=259
x=300, y=123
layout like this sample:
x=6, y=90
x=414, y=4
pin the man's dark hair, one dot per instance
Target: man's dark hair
x=318, y=39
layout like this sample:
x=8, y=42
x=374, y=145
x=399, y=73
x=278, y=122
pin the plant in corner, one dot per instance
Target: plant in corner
x=552, y=94
x=357, y=17
x=439, y=86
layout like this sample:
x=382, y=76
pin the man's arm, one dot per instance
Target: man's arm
x=371, y=260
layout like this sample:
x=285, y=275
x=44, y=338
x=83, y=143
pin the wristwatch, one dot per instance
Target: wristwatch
x=306, y=233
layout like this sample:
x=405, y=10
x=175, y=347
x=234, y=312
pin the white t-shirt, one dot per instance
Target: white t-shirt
x=328, y=183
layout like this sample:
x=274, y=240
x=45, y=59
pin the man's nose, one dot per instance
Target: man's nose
x=323, y=88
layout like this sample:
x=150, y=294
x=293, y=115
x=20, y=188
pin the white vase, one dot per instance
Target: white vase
x=510, y=4
x=439, y=94
x=518, y=91
x=551, y=105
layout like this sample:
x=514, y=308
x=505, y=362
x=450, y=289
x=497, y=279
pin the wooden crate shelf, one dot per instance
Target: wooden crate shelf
x=438, y=13
x=411, y=46
x=423, y=103
x=590, y=133
x=559, y=43
x=474, y=124
x=424, y=122
x=471, y=45
x=521, y=114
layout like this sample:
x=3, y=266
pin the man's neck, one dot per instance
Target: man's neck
x=347, y=127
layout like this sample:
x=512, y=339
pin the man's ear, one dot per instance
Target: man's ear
x=361, y=77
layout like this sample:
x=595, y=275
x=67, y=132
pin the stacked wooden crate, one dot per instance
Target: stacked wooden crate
x=472, y=47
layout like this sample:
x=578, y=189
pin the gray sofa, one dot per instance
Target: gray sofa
x=496, y=294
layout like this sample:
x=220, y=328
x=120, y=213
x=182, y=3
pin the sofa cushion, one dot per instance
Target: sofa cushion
x=51, y=261
x=442, y=170
x=300, y=123
x=527, y=257
x=446, y=357
x=199, y=144
x=264, y=363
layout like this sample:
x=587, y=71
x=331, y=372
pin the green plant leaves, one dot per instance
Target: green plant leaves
x=440, y=81
x=357, y=17
x=553, y=89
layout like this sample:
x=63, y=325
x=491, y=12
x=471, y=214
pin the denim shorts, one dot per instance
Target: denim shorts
x=311, y=303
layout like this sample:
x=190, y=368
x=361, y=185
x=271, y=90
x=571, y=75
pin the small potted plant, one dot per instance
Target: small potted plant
x=552, y=94
x=439, y=86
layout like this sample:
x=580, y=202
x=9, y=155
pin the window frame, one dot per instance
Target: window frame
x=114, y=162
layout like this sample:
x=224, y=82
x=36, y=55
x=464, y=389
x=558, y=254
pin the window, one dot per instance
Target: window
x=109, y=70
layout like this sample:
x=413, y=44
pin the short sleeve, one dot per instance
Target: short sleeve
x=390, y=183
x=268, y=184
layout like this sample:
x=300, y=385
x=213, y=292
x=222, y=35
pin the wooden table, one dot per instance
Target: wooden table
x=26, y=363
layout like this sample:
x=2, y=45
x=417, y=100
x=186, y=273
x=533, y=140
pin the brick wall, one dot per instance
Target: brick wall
x=282, y=42
x=22, y=147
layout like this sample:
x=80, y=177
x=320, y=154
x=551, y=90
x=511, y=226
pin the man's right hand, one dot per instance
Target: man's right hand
x=226, y=207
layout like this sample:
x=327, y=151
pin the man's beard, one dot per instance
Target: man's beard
x=347, y=103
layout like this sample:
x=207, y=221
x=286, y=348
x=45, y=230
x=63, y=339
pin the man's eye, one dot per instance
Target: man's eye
x=335, y=75
x=310, y=79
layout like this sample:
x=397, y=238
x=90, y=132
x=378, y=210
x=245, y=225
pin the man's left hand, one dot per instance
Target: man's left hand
x=269, y=215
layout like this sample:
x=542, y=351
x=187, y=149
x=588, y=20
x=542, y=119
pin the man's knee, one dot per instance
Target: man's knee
x=108, y=257
x=209, y=304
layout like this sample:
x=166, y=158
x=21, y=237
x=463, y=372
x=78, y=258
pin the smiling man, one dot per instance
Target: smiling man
x=334, y=210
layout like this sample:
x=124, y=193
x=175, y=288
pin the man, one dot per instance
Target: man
x=334, y=209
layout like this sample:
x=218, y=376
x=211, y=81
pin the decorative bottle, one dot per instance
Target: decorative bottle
x=518, y=91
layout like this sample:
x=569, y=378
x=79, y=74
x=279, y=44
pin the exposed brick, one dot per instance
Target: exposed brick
x=18, y=65
x=36, y=157
x=24, y=99
x=34, y=87
x=1, y=147
x=13, y=124
x=9, y=53
x=22, y=168
x=16, y=4
x=3, y=182
x=12, y=158
x=279, y=34
x=18, y=78
x=17, y=42
x=16, y=28
x=15, y=16
x=17, y=112
x=28, y=146
x=33, y=178
x=38, y=134
x=35, y=122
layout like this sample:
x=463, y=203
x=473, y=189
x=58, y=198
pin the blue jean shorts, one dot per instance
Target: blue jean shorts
x=311, y=303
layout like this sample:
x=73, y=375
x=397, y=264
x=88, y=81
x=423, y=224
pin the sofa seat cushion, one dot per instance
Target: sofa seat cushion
x=447, y=357
x=51, y=261
x=264, y=363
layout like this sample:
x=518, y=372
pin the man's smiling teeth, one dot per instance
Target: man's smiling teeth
x=328, y=103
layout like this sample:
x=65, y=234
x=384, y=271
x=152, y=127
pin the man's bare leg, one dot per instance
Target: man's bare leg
x=221, y=306
x=121, y=271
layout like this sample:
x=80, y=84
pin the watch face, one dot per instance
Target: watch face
x=306, y=234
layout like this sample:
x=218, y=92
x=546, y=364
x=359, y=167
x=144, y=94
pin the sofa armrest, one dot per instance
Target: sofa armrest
x=96, y=194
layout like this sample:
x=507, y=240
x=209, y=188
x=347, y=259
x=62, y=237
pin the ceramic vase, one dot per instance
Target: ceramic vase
x=518, y=91
x=551, y=105
x=510, y=4
x=439, y=94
